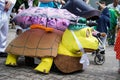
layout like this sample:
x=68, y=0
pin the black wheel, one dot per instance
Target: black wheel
x=99, y=59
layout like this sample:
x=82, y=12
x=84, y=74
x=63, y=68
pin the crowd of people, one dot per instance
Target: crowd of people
x=105, y=16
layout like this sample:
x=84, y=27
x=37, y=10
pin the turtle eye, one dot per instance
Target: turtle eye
x=87, y=33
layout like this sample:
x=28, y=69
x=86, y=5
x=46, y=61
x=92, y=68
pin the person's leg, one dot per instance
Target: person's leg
x=1, y=32
x=102, y=45
x=104, y=41
x=3, y=39
x=111, y=37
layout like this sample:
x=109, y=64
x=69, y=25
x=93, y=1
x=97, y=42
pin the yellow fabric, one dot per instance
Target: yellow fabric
x=11, y=60
x=68, y=45
x=63, y=51
x=45, y=65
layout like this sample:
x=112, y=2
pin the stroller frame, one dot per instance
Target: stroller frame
x=99, y=58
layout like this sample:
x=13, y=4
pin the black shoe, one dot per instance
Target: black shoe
x=3, y=54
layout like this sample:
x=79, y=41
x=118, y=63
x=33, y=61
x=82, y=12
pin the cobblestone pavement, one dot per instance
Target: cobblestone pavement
x=107, y=71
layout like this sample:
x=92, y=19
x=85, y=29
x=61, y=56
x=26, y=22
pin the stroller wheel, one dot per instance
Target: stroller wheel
x=99, y=59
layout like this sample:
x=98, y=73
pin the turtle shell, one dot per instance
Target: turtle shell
x=68, y=64
x=36, y=43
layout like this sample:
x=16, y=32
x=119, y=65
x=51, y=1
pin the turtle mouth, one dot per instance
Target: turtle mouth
x=87, y=50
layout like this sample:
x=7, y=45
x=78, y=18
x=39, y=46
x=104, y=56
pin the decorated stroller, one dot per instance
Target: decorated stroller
x=37, y=42
x=49, y=15
x=99, y=54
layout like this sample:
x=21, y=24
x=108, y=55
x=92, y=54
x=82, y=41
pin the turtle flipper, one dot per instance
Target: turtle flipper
x=45, y=65
x=11, y=60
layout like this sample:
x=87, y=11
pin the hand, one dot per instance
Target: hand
x=7, y=5
x=101, y=5
x=97, y=3
x=87, y=1
x=62, y=2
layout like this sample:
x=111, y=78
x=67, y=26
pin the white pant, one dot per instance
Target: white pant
x=4, y=22
x=3, y=30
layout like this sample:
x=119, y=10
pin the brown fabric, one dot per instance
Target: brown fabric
x=67, y=64
x=88, y=50
x=36, y=43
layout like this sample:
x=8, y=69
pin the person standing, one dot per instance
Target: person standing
x=5, y=10
x=114, y=5
x=113, y=21
x=103, y=23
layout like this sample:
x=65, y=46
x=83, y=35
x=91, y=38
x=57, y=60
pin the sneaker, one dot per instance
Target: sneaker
x=3, y=54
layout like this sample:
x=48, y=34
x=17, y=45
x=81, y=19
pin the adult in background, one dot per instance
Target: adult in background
x=5, y=10
x=113, y=21
x=114, y=5
x=103, y=23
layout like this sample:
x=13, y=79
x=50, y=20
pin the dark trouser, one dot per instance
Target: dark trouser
x=111, y=37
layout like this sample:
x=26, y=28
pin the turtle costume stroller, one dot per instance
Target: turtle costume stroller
x=99, y=54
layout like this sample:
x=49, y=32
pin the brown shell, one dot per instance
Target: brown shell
x=36, y=43
x=68, y=64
